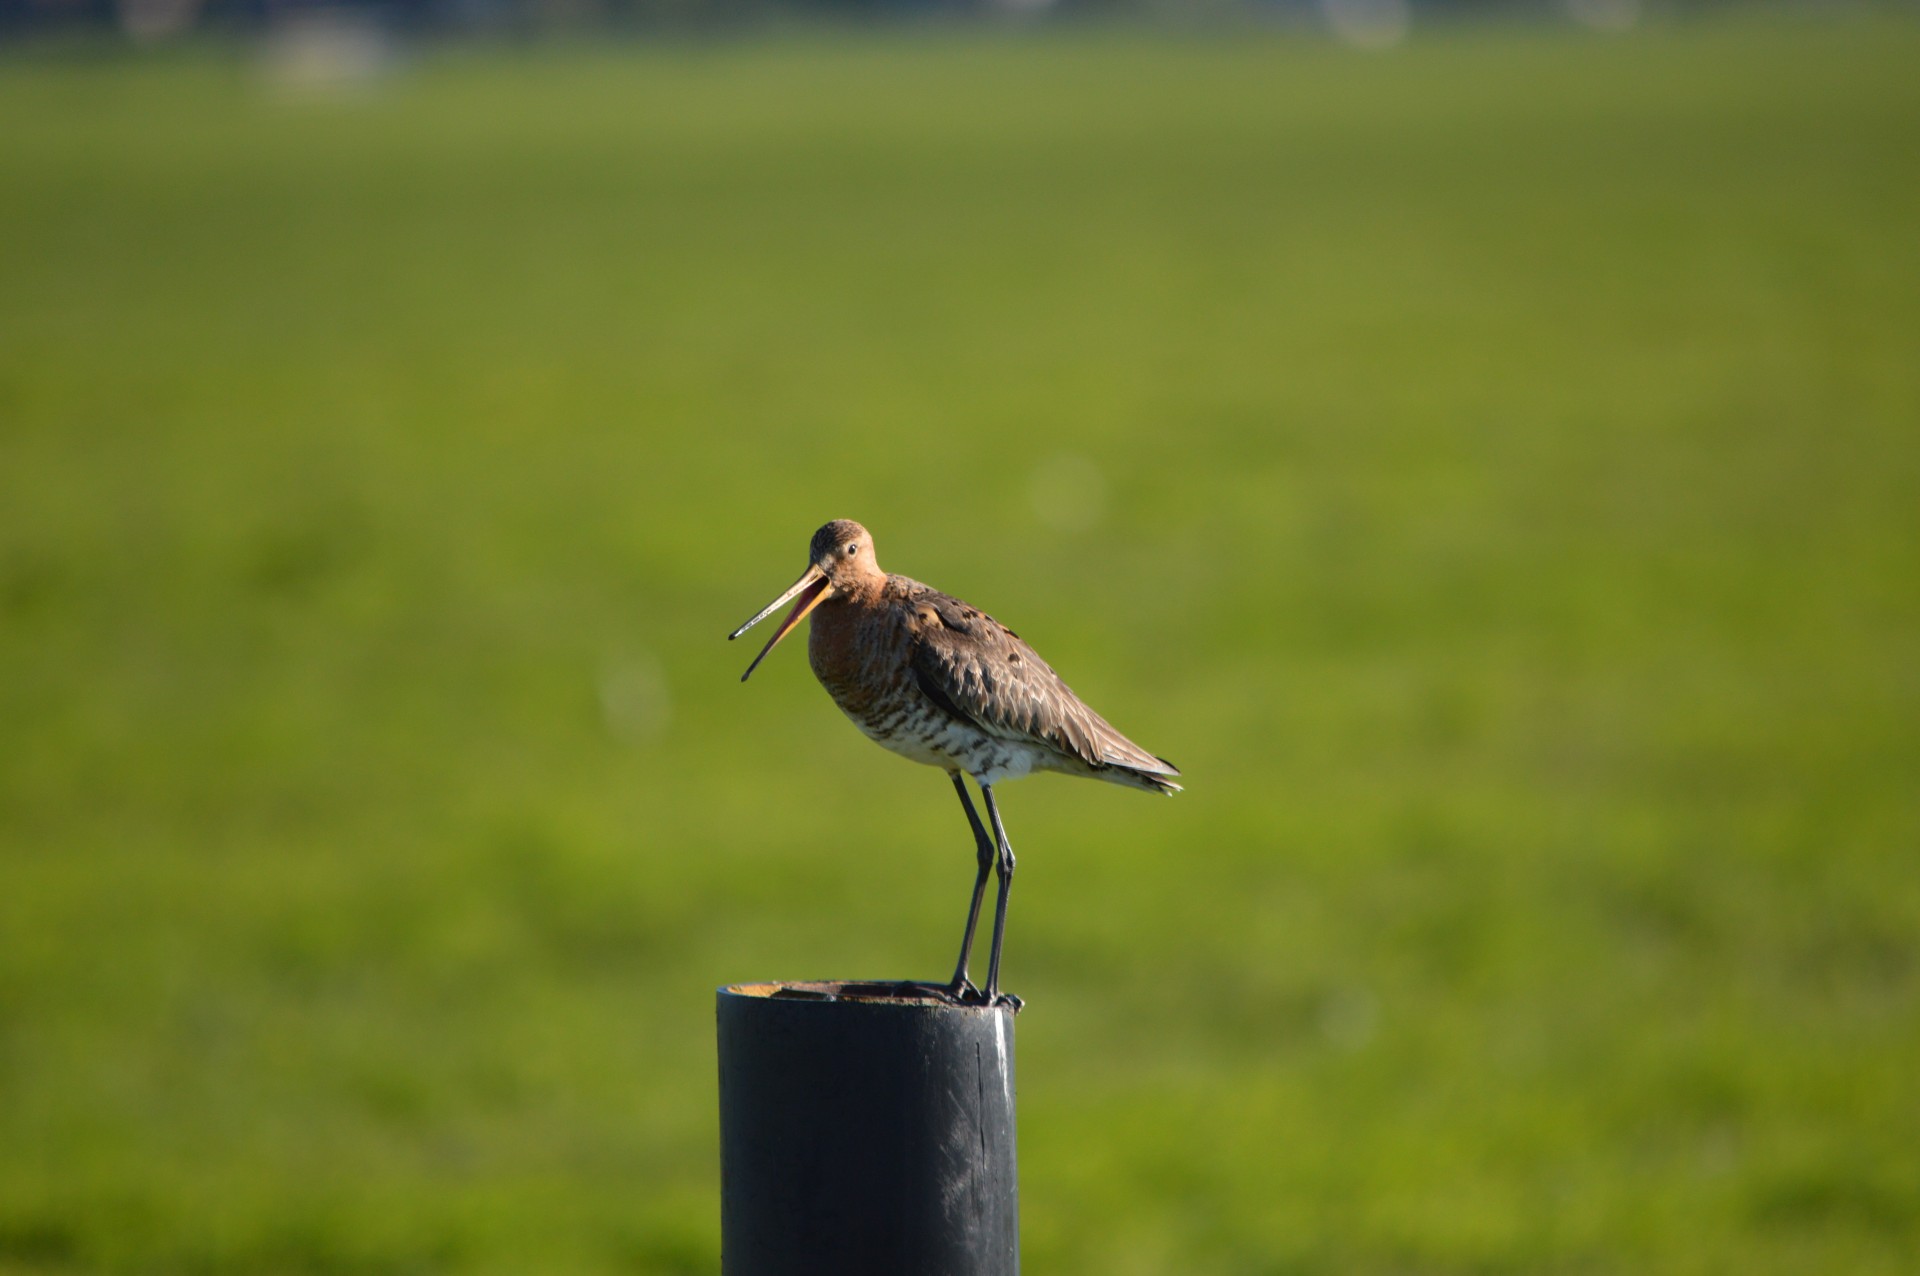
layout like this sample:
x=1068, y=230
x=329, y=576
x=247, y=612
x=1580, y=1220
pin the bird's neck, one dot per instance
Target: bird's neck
x=861, y=591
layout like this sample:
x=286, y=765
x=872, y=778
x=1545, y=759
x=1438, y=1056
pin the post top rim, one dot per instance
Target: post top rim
x=893, y=992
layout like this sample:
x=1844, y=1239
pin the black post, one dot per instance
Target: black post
x=866, y=1129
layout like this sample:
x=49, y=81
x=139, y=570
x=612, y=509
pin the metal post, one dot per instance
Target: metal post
x=866, y=1129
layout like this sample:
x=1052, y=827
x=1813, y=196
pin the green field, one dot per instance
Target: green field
x=1490, y=469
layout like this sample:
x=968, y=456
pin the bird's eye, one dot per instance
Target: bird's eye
x=851, y=550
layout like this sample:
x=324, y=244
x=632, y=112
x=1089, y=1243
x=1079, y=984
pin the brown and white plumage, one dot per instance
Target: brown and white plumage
x=942, y=683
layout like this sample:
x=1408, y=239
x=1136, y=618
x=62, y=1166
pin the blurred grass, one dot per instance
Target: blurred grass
x=1501, y=463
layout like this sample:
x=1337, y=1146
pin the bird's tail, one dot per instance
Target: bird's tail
x=1153, y=781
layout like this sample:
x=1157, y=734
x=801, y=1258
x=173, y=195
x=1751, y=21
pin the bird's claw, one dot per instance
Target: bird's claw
x=961, y=992
x=965, y=993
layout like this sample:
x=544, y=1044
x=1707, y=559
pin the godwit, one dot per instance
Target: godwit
x=944, y=684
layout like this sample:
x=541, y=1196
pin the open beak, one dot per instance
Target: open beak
x=810, y=591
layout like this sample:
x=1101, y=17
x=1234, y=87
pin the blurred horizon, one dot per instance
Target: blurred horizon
x=349, y=28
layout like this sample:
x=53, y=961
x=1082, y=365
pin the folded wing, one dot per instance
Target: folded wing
x=976, y=668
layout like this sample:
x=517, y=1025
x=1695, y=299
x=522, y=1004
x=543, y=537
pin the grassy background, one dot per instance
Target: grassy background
x=1488, y=468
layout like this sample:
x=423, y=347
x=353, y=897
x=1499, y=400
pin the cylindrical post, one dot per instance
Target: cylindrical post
x=865, y=1130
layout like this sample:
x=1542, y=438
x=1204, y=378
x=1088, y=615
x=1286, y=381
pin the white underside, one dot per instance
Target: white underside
x=953, y=747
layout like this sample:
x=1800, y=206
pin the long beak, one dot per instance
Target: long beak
x=811, y=589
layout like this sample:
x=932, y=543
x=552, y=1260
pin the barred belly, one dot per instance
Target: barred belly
x=916, y=729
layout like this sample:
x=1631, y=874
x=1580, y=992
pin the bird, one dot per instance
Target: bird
x=944, y=684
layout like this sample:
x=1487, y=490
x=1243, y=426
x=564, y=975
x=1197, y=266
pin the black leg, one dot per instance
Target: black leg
x=961, y=985
x=1000, y=903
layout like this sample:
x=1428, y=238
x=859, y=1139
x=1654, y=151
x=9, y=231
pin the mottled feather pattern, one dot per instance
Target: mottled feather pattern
x=974, y=695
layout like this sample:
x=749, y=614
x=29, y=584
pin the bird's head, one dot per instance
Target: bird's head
x=842, y=551
x=839, y=561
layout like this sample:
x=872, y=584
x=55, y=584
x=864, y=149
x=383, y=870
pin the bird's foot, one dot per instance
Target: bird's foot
x=961, y=992
x=995, y=998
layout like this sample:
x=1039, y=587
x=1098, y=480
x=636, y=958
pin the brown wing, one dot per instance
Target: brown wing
x=976, y=668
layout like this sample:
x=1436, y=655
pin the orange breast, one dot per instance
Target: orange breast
x=859, y=652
